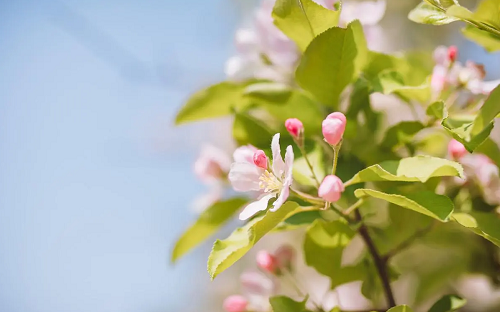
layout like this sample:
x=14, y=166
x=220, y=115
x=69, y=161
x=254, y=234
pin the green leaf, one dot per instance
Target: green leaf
x=484, y=224
x=428, y=203
x=401, y=308
x=215, y=101
x=323, y=247
x=487, y=112
x=442, y=3
x=285, y=304
x=460, y=12
x=209, y=221
x=332, y=61
x=437, y=110
x=425, y=13
x=226, y=252
x=411, y=169
x=448, y=303
x=391, y=81
x=303, y=20
x=461, y=130
x=298, y=220
x=488, y=13
x=490, y=149
x=487, y=40
x=401, y=133
x=269, y=91
x=248, y=130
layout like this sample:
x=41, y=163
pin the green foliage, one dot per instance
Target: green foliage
x=249, y=130
x=437, y=110
x=428, y=203
x=489, y=41
x=226, y=252
x=401, y=308
x=482, y=224
x=301, y=170
x=411, y=169
x=461, y=130
x=332, y=61
x=215, y=101
x=401, y=133
x=448, y=303
x=303, y=20
x=426, y=13
x=285, y=304
x=488, y=112
x=209, y=221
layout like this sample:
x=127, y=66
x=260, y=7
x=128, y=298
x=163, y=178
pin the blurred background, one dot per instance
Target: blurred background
x=95, y=181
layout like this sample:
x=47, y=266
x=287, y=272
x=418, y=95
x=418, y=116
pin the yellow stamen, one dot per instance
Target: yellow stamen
x=269, y=182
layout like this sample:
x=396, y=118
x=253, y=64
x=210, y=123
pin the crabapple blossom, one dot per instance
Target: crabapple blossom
x=267, y=262
x=456, y=149
x=333, y=128
x=331, y=188
x=212, y=164
x=235, y=303
x=274, y=183
x=294, y=126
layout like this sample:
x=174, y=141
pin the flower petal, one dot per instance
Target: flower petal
x=278, y=164
x=245, y=177
x=367, y=12
x=289, y=164
x=281, y=198
x=256, y=206
x=244, y=153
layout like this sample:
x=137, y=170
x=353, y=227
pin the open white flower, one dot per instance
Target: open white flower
x=273, y=183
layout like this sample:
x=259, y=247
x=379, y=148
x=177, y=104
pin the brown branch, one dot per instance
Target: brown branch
x=380, y=264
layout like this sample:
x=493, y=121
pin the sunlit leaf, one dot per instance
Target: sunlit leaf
x=286, y=304
x=332, y=61
x=303, y=20
x=401, y=308
x=411, y=169
x=489, y=41
x=428, y=203
x=226, y=252
x=448, y=303
x=209, y=221
x=425, y=13
x=483, y=224
x=437, y=110
x=401, y=133
x=249, y=130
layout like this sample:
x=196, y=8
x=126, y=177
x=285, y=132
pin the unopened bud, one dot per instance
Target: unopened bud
x=235, y=303
x=294, y=127
x=260, y=159
x=331, y=188
x=456, y=149
x=333, y=127
x=452, y=53
x=267, y=262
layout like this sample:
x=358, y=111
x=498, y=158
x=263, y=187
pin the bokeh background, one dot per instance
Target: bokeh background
x=95, y=181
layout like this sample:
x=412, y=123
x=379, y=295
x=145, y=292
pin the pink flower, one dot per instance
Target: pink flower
x=452, y=53
x=212, y=164
x=294, y=126
x=244, y=153
x=456, y=149
x=235, y=303
x=246, y=176
x=267, y=262
x=260, y=159
x=331, y=188
x=333, y=127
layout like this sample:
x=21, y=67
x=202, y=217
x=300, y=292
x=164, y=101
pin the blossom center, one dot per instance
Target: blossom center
x=269, y=182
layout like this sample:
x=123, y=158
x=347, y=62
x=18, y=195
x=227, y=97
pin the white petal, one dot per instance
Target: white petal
x=278, y=164
x=244, y=153
x=289, y=164
x=282, y=198
x=367, y=12
x=488, y=86
x=245, y=177
x=256, y=206
x=440, y=55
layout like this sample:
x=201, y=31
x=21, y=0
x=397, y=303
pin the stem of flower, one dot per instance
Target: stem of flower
x=309, y=198
x=354, y=206
x=341, y=214
x=380, y=264
x=336, y=150
x=303, y=151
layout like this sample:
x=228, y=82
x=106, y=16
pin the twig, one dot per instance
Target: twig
x=303, y=151
x=380, y=264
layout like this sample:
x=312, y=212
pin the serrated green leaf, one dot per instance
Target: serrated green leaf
x=215, y=101
x=248, y=130
x=331, y=62
x=209, y=221
x=286, y=304
x=391, y=81
x=428, y=203
x=448, y=303
x=411, y=169
x=226, y=252
x=401, y=133
x=461, y=130
x=323, y=247
x=401, y=308
x=484, y=224
x=303, y=20
x=487, y=113
x=437, y=110
x=489, y=41
x=425, y=13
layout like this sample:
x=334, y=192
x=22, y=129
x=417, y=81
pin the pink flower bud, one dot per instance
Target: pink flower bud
x=294, y=127
x=235, y=303
x=452, y=53
x=267, y=262
x=260, y=159
x=331, y=188
x=285, y=255
x=333, y=127
x=456, y=149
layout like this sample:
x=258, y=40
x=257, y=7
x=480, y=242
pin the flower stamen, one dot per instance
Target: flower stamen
x=269, y=182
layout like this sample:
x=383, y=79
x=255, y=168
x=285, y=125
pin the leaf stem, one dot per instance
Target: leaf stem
x=354, y=206
x=303, y=151
x=380, y=264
